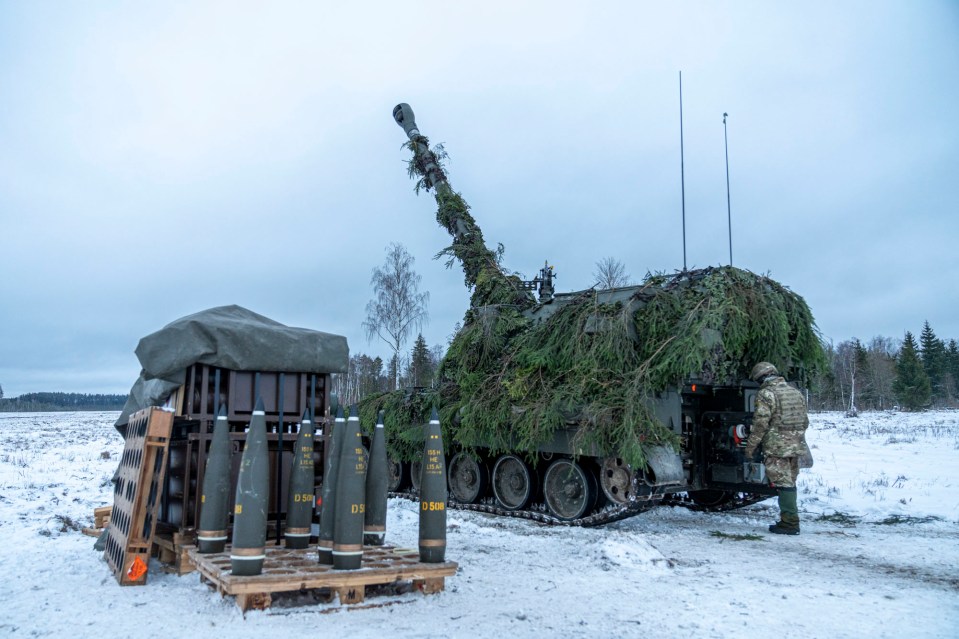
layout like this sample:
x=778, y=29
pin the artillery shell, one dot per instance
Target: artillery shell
x=215, y=498
x=328, y=494
x=299, y=508
x=252, y=497
x=377, y=477
x=433, y=495
x=350, y=497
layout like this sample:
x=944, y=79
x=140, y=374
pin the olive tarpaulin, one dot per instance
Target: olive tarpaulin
x=230, y=337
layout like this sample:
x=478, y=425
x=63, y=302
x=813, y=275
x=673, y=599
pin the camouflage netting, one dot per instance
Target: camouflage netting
x=515, y=374
x=482, y=272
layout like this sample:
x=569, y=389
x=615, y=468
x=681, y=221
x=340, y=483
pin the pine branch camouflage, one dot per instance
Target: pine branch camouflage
x=517, y=372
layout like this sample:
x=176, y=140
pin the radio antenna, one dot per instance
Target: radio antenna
x=729, y=211
x=682, y=168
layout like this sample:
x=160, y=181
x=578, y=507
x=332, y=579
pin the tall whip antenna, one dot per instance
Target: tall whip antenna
x=729, y=211
x=682, y=168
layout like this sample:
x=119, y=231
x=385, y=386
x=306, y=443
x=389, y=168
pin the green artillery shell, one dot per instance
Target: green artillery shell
x=377, y=477
x=252, y=499
x=215, y=499
x=299, y=508
x=350, y=500
x=433, y=496
x=328, y=495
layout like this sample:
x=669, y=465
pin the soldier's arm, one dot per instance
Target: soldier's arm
x=765, y=402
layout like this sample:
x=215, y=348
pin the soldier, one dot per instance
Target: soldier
x=779, y=427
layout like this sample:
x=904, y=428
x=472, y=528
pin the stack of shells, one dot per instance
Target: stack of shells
x=353, y=499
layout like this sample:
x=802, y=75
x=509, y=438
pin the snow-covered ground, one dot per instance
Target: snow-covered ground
x=878, y=557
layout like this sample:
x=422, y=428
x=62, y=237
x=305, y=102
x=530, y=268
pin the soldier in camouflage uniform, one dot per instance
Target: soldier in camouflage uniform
x=779, y=427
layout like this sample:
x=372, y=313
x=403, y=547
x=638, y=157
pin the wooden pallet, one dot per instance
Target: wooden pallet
x=101, y=517
x=136, y=496
x=171, y=551
x=287, y=570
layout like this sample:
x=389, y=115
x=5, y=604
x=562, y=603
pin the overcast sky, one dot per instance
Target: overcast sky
x=159, y=160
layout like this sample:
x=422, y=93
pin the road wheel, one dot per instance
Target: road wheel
x=570, y=489
x=468, y=478
x=513, y=482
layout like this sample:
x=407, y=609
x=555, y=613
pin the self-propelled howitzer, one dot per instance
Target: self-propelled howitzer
x=591, y=406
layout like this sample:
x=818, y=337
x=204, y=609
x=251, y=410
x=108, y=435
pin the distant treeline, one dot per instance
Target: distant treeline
x=886, y=373
x=61, y=401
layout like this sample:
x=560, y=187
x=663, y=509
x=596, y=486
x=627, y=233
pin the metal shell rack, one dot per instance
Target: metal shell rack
x=285, y=395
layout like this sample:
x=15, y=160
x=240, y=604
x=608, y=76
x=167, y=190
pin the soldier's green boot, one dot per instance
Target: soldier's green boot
x=788, y=513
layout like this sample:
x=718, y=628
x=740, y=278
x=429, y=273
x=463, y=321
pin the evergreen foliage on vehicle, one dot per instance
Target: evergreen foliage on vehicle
x=509, y=382
x=483, y=275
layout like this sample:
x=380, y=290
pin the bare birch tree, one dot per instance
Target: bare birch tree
x=610, y=273
x=397, y=307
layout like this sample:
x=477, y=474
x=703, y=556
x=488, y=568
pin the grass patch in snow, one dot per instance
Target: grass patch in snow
x=19, y=459
x=842, y=519
x=67, y=523
x=60, y=524
x=893, y=520
x=735, y=537
x=816, y=483
x=901, y=439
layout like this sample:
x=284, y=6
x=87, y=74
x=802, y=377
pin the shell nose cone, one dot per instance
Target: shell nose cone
x=222, y=411
x=306, y=415
x=339, y=412
x=434, y=416
x=380, y=416
x=259, y=404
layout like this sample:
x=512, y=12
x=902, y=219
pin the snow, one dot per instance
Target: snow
x=878, y=555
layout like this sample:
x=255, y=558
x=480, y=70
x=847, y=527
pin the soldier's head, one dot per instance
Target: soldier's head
x=761, y=371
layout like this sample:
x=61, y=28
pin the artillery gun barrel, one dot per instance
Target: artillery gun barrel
x=433, y=175
x=479, y=263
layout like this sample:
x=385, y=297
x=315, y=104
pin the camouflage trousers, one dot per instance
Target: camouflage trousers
x=782, y=471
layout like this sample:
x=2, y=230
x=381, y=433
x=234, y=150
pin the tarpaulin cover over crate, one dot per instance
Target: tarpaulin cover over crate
x=229, y=337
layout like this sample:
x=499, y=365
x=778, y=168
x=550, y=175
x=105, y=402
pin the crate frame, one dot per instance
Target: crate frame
x=133, y=516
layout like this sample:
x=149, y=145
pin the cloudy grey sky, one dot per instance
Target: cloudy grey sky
x=156, y=161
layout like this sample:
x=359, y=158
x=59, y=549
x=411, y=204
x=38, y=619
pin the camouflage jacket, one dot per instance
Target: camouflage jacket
x=780, y=422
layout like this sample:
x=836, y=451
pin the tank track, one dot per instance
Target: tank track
x=539, y=514
x=739, y=500
x=607, y=515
